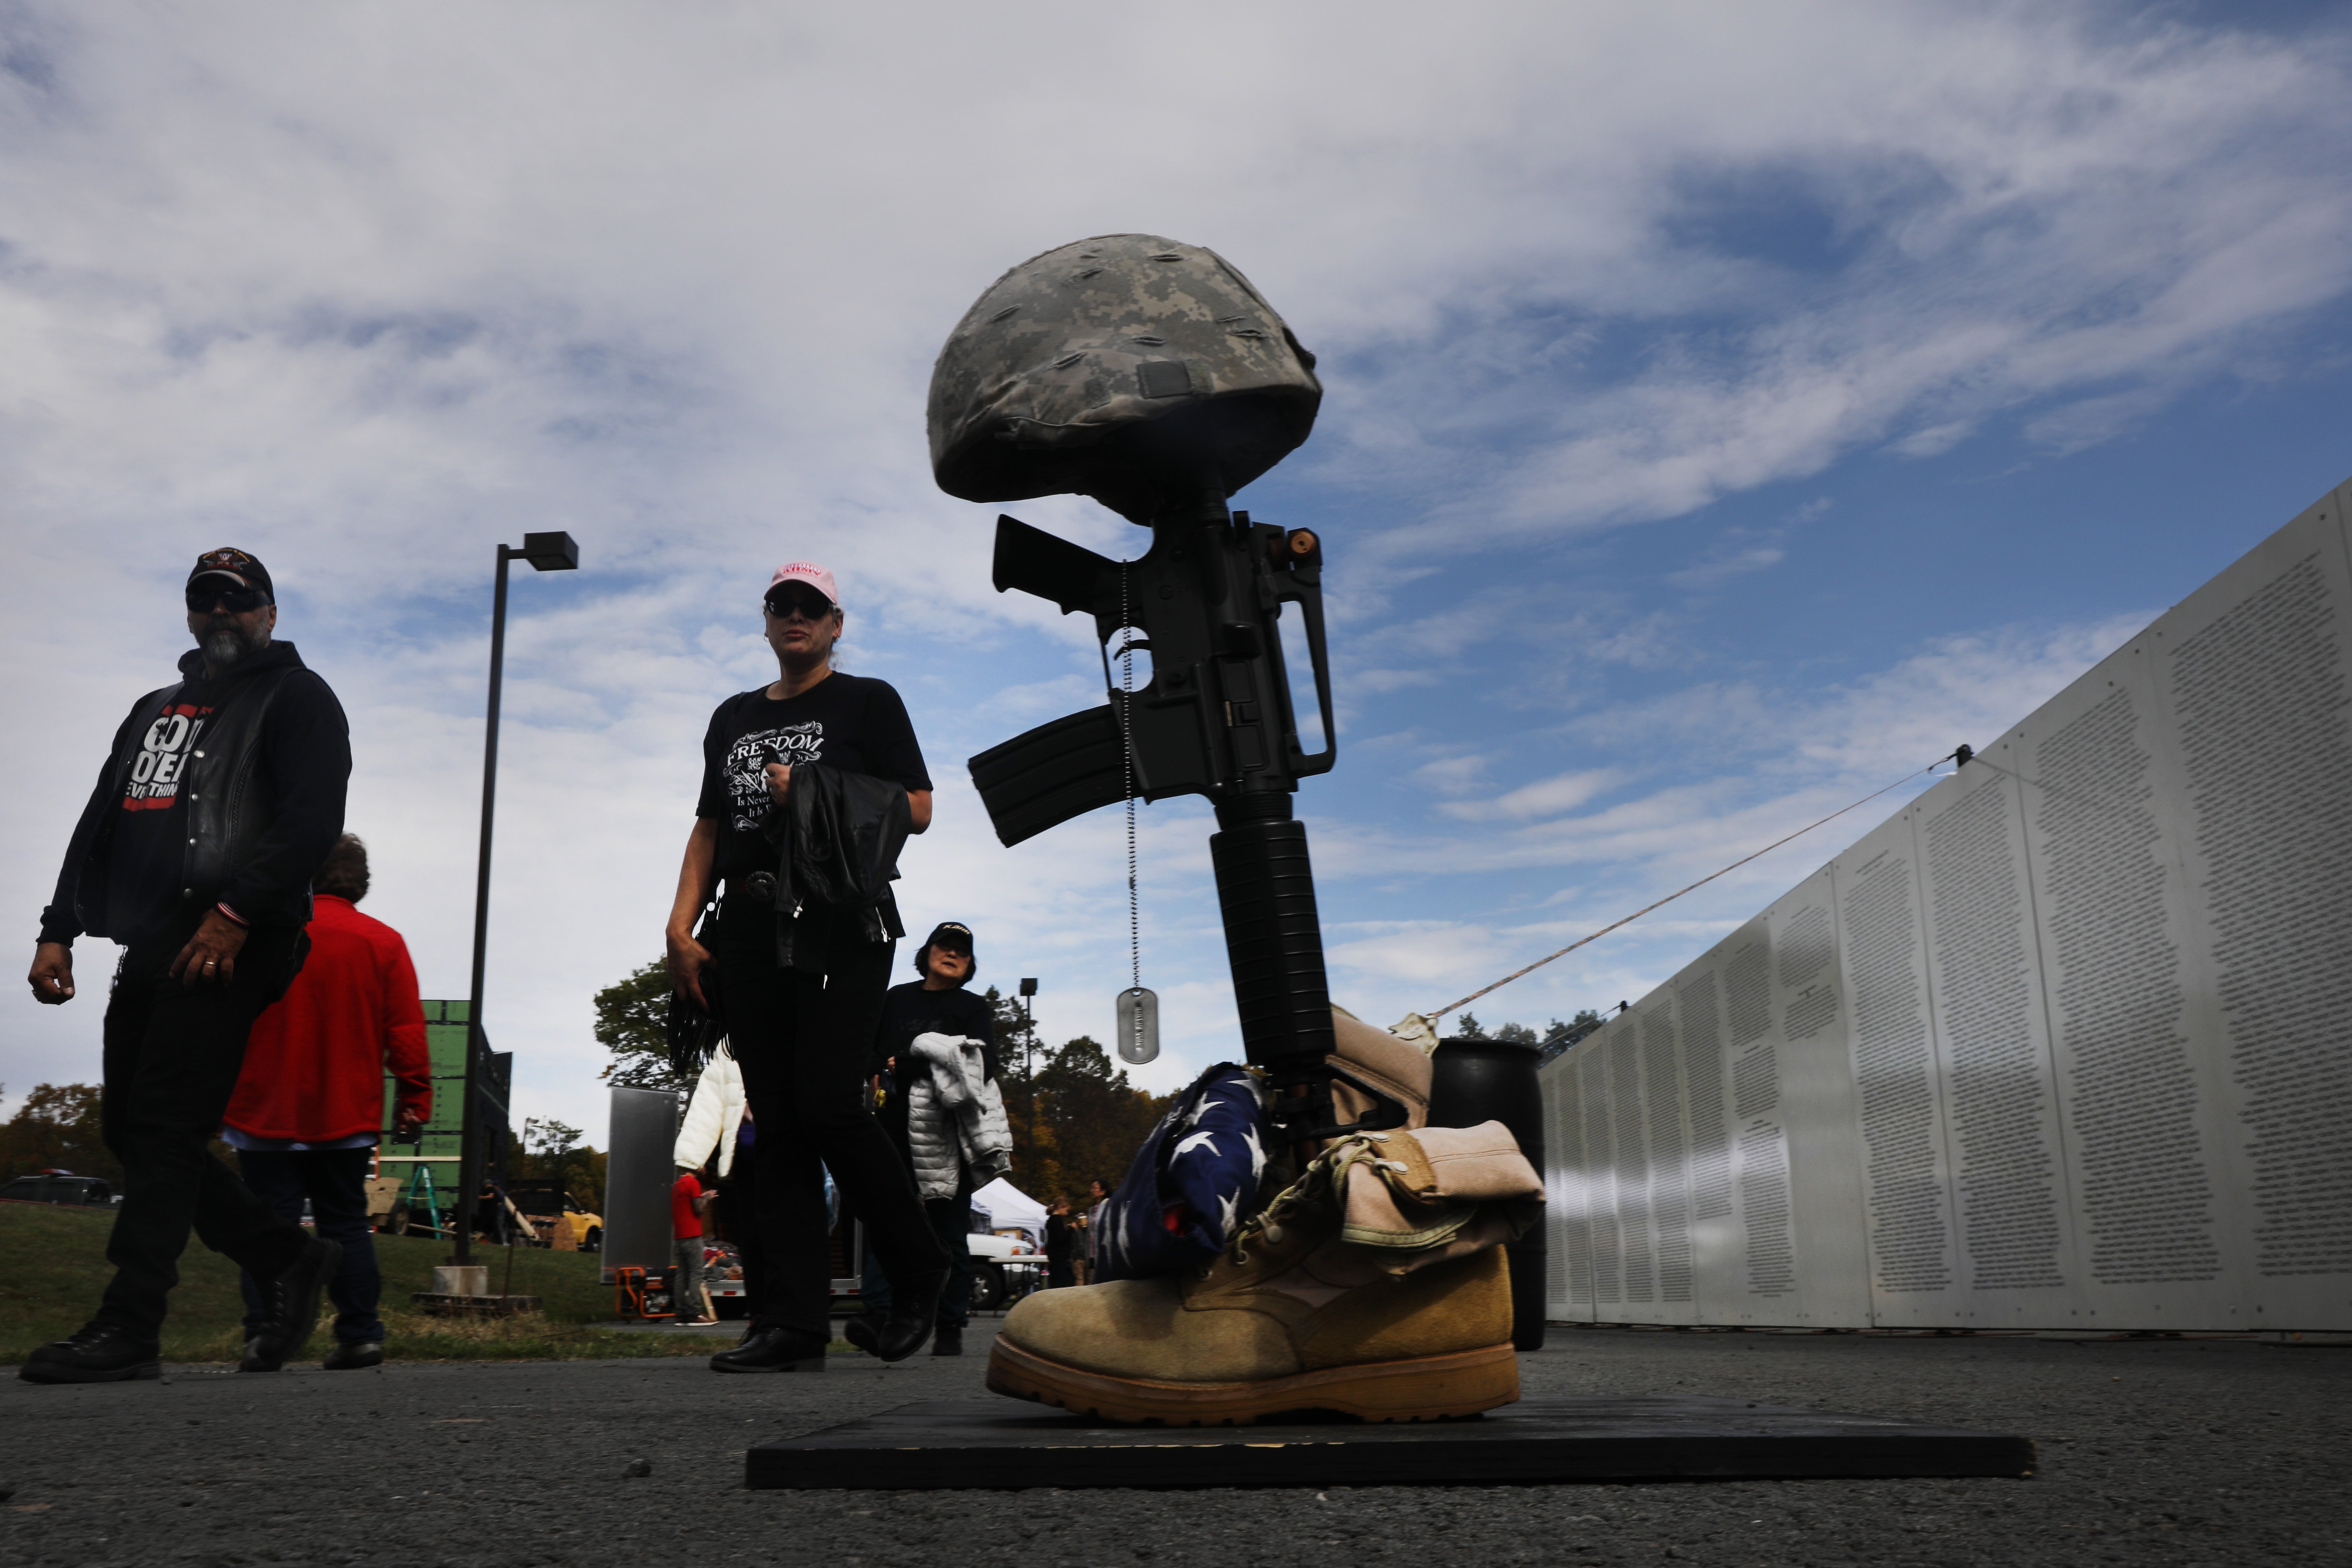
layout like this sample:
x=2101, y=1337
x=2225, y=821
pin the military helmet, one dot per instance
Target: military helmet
x=1122, y=367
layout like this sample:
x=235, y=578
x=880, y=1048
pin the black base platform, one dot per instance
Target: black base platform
x=1001, y=1443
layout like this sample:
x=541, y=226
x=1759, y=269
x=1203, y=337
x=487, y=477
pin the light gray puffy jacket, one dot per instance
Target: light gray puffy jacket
x=955, y=1117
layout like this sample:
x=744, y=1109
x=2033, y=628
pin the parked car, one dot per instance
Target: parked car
x=59, y=1187
x=1003, y=1270
x=557, y=1219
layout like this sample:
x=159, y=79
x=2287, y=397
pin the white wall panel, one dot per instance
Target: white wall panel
x=2253, y=674
x=2010, y=1183
x=2066, y=1043
x=1718, y=1251
x=1899, y=1088
x=1812, y=1032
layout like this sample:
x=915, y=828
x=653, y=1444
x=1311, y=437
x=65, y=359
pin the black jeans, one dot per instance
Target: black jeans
x=952, y=1223
x=335, y=1180
x=171, y=1062
x=804, y=1042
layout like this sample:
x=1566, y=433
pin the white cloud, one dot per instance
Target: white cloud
x=1728, y=561
x=369, y=288
x=1546, y=797
x=1731, y=769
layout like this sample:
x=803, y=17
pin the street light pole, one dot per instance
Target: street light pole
x=546, y=553
x=1028, y=1025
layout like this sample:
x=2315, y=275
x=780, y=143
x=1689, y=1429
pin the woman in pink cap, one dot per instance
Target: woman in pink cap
x=802, y=1030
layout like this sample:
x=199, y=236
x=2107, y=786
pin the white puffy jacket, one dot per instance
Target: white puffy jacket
x=955, y=1117
x=712, y=1115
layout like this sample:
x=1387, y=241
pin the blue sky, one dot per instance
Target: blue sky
x=1730, y=409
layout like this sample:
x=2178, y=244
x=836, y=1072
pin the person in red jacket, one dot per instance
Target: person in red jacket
x=310, y=1101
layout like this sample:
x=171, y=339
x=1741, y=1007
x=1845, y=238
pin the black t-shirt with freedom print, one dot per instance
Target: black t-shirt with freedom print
x=853, y=722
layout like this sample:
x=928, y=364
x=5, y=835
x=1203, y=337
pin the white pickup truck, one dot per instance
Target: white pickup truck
x=1003, y=1270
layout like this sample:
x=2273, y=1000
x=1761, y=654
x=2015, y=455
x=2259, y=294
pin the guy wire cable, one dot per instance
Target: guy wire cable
x=1702, y=882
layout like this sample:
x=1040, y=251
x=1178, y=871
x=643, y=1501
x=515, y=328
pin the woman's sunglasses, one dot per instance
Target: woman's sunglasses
x=240, y=601
x=808, y=606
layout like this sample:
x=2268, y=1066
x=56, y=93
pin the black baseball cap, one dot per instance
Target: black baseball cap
x=953, y=935
x=233, y=567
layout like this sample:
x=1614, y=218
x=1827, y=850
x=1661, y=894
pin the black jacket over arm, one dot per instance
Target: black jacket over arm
x=838, y=839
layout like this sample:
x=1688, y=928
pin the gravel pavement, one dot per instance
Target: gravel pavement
x=2186, y=1452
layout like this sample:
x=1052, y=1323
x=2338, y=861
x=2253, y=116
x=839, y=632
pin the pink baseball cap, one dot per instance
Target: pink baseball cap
x=808, y=571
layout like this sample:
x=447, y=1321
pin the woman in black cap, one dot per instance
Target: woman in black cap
x=938, y=1004
x=802, y=1026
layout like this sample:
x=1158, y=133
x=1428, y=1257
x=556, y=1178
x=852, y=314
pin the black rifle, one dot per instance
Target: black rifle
x=1216, y=719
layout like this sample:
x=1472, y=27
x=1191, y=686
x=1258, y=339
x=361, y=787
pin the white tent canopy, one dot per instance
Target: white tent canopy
x=1010, y=1208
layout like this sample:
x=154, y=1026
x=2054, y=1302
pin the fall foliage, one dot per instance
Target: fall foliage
x=57, y=1130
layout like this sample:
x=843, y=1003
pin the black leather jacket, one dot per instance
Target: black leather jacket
x=838, y=838
x=264, y=788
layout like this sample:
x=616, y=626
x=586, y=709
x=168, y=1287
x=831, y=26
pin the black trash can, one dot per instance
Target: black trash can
x=1473, y=1081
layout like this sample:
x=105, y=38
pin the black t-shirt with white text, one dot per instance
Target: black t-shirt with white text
x=150, y=831
x=910, y=1010
x=852, y=722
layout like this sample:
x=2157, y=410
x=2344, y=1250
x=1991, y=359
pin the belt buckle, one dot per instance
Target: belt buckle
x=761, y=885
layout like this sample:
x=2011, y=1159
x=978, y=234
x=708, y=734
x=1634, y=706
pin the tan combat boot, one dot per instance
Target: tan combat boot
x=1375, y=1284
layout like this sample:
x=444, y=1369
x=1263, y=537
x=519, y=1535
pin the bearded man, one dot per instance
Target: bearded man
x=222, y=795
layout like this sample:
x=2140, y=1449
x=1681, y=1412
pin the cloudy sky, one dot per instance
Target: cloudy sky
x=1731, y=408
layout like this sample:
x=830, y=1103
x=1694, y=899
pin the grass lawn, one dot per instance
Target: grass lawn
x=52, y=1265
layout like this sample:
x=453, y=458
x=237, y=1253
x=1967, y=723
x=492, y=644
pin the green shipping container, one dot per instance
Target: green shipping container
x=445, y=1041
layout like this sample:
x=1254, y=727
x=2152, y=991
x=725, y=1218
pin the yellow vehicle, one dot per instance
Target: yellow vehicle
x=561, y=1222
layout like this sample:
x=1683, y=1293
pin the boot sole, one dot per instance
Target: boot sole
x=1426, y=1388
x=43, y=1372
x=806, y=1363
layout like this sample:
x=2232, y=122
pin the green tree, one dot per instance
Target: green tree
x=1559, y=1036
x=1469, y=1028
x=1084, y=1124
x=632, y=1022
x=56, y=1129
x=550, y=1150
x=1012, y=1025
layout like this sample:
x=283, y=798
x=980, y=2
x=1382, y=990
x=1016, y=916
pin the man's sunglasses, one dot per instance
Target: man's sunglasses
x=240, y=601
x=808, y=606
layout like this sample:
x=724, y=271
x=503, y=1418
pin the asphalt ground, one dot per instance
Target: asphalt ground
x=2188, y=1452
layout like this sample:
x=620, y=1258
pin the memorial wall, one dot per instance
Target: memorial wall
x=2066, y=1043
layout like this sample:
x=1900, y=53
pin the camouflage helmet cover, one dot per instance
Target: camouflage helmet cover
x=1072, y=352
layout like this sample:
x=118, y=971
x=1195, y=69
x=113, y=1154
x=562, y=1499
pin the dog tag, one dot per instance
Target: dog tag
x=1138, y=1025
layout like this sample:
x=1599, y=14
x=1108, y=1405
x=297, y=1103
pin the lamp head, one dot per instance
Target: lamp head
x=550, y=552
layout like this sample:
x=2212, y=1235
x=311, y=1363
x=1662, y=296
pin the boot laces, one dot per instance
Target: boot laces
x=1322, y=1174
x=90, y=1335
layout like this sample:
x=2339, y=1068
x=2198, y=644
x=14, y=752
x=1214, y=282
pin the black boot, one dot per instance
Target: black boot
x=773, y=1349
x=291, y=1302
x=98, y=1352
x=865, y=1331
x=948, y=1340
x=913, y=1307
x=351, y=1355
